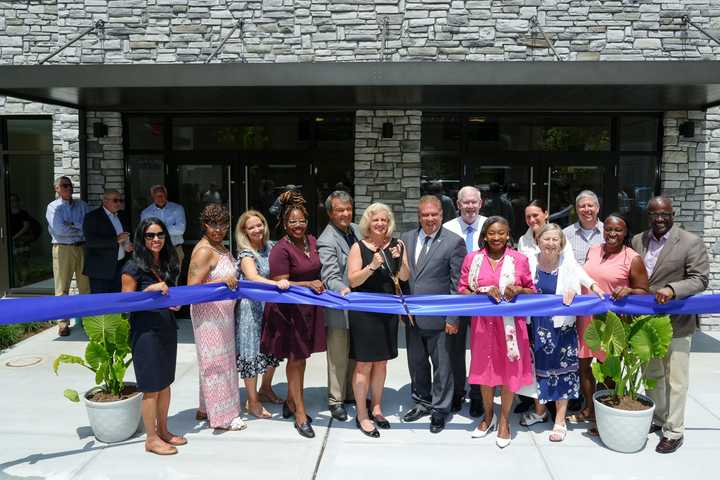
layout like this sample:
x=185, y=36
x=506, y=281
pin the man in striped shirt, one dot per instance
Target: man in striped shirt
x=588, y=230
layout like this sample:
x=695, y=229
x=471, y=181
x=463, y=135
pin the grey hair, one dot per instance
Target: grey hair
x=60, y=179
x=587, y=194
x=552, y=227
x=155, y=188
x=468, y=189
x=111, y=191
x=341, y=195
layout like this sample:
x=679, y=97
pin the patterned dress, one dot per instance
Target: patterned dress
x=214, y=329
x=555, y=349
x=251, y=362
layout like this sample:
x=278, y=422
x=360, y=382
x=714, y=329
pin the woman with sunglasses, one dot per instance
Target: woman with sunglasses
x=154, y=267
x=294, y=332
x=214, y=323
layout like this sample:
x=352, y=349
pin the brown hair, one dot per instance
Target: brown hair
x=289, y=201
x=215, y=214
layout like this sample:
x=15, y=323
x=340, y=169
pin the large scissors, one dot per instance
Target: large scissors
x=398, y=290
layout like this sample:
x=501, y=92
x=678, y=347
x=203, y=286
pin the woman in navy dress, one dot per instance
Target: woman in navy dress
x=154, y=267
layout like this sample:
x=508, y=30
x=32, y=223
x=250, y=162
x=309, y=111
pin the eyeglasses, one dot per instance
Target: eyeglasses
x=116, y=200
x=151, y=235
x=660, y=214
x=218, y=227
x=297, y=223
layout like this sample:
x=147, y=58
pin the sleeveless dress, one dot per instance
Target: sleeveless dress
x=555, y=351
x=214, y=330
x=251, y=362
x=293, y=331
x=153, y=338
x=374, y=336
x=609, y=274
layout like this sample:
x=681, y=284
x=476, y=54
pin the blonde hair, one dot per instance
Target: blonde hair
x=551, y=227
x=370, y=212
x=241, y=238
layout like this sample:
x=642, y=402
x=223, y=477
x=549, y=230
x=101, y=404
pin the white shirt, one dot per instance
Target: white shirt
x=459, y=227
x=118, y=230
x=173, y=216
x=421, y=242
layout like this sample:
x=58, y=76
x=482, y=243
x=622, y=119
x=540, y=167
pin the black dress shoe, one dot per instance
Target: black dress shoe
x=476, y=408
x=305, y=429
x=338, y=412
x=654, y=428
x=667, y=445
x=437, y=424
x=372, y=433
x=384, y=424
x=457, y=403
x=350, y=401
x=525, y=404
x=415, y=413
x=287, y=413
x=575, y=404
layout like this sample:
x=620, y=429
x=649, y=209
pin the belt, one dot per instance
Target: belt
x=74, y=244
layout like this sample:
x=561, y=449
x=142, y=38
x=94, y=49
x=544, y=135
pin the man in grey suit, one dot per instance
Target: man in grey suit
x=435, y=256
x=333, y=247
x=677, y=266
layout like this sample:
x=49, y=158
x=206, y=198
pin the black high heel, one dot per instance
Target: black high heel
x=372, y=433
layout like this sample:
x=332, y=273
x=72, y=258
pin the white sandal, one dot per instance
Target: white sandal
x=531, y=418
x=559, y=431
x=236, y=425
x=477, y=433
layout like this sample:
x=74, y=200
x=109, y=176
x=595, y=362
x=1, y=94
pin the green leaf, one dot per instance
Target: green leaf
x=642, y=343
x=649, y=383
x=612, y=368
x=101, y=374
x=65, y=358
x=594, y=333
x=598, y=372
x=102, y=328
x=95, y=354
x=614, y=335
x=72, y=395
x=662, y=326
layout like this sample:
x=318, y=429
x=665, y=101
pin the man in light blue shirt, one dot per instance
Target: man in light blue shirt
x=65, y=221
x=172, y=214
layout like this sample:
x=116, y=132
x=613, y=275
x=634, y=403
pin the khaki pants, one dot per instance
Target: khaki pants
x=181, y=254
x=670, y=392
x=69, y=260
x=340, y=367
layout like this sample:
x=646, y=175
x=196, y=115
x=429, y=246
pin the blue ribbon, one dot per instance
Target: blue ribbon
x=18, y=310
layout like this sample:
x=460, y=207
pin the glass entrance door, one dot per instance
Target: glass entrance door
x=4, y=241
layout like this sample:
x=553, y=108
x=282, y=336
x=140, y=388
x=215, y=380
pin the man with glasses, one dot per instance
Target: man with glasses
x=65, y=225
x=677, y=266
x=107, y=243
x=172, y=214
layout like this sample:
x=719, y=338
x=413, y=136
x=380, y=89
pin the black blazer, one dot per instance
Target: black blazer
x=101, y=246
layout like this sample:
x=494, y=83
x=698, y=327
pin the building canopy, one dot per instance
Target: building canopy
x=506, y=86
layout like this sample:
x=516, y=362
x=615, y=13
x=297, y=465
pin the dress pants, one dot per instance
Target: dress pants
x=108, y=285
x=458, y=349
x=431, y=388
x=68, y=260
x=340, y=366
x=670, y=393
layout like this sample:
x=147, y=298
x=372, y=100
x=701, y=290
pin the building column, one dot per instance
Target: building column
x=388, y=169
x=690, y=175
x=105, y=163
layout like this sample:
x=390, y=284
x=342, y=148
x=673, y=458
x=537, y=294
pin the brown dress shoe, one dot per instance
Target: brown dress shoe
x=63, y=329
x=667, y=445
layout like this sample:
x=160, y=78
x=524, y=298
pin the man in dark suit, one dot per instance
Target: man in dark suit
x=677, y=266
x=107, y=243
x=333, y=248
x=435, y=256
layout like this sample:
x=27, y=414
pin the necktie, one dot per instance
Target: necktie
x=469, y=239
x=425, y=248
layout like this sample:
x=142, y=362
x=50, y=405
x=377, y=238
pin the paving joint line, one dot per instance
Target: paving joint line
x=542, y=457
x=322, y=449
x=702, y=405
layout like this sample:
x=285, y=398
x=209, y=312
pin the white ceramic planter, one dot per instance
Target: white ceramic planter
x=622, y=430
x=114, y=421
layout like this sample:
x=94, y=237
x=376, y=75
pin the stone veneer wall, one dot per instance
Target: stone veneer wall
x=388, y=169
x=105, y=166
x=690, y=173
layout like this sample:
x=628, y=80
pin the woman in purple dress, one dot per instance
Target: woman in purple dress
x=294, y=332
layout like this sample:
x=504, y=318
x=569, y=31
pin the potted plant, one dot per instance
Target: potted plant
x=623, y=415
x=113, y=406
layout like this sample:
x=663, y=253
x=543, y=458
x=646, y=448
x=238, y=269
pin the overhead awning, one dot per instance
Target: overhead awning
x=507, y=86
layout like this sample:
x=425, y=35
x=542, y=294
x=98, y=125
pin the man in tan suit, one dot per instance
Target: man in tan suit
x=677, y=265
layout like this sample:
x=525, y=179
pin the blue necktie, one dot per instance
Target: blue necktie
x=469, y=239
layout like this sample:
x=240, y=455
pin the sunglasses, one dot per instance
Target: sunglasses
x=65, y=185
x=151, y=235
x=117, y=200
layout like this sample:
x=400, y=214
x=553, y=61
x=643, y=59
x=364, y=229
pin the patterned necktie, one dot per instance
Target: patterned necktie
x=469, y=239
x=425, y=248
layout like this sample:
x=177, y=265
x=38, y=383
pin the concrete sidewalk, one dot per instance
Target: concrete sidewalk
x=42, y=435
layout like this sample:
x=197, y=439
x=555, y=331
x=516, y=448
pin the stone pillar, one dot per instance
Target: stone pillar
x=388, y=169
x=690, y=175
x=105, y=164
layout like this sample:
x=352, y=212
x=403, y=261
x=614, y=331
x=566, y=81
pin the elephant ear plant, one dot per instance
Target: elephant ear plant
x=106, y=355
x=630, y=342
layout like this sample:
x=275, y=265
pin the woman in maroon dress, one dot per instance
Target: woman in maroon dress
x=294, y=332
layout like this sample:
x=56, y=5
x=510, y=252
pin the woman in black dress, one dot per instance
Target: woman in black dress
x=154, y=267
x=372, y=264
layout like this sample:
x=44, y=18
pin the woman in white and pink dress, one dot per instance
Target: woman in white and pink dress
x=214, y=324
